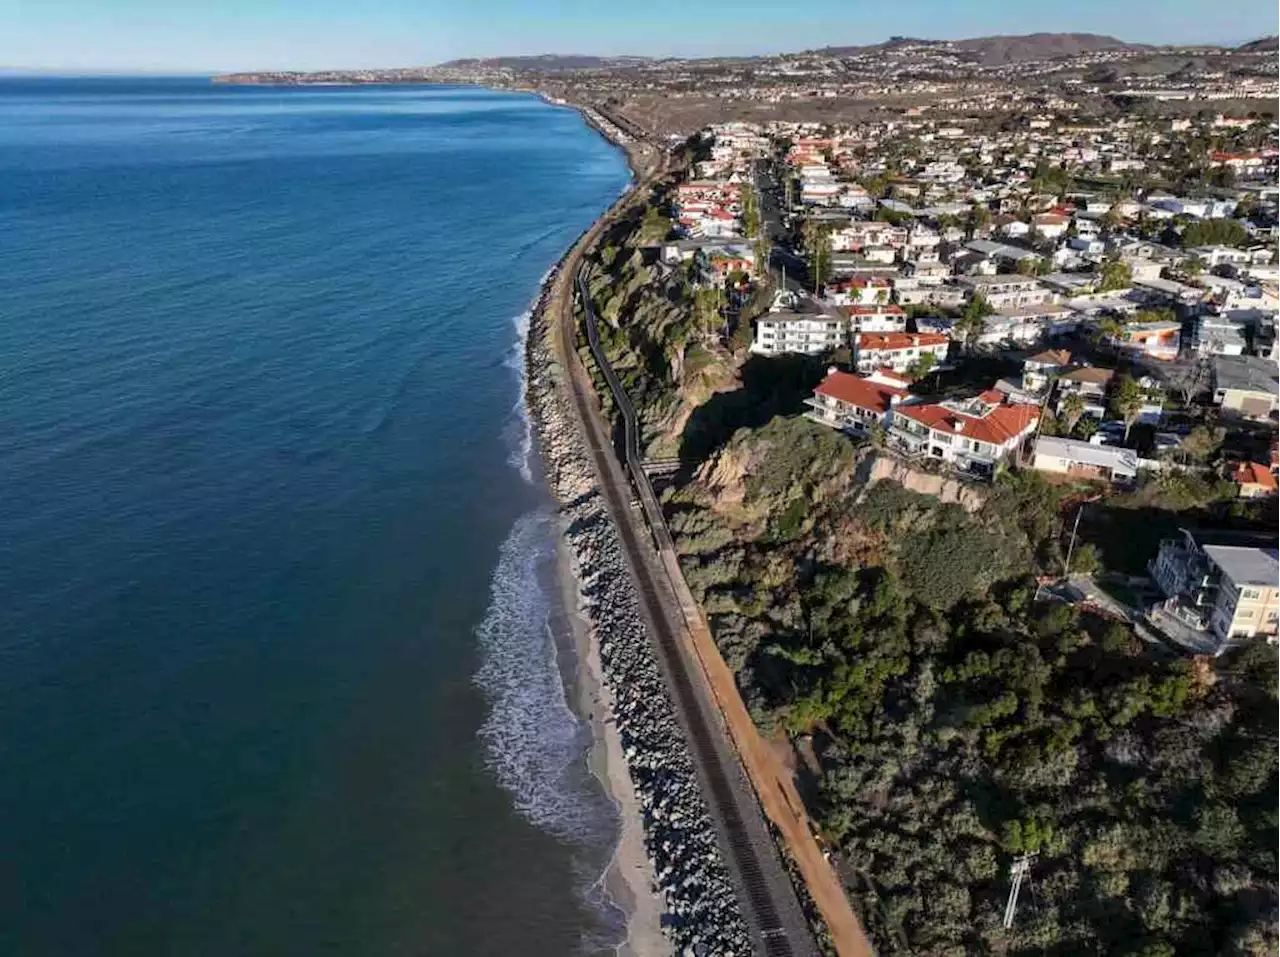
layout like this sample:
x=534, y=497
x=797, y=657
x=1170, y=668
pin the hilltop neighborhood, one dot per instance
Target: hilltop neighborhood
x=1085, y=301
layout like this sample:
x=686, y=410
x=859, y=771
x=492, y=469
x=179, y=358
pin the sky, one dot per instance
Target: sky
x=219, y=35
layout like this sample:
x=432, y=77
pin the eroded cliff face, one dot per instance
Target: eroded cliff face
x=941, y=487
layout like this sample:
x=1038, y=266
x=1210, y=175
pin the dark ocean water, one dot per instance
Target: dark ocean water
x=278, y=667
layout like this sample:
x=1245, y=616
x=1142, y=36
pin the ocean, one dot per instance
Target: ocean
x=281, y=653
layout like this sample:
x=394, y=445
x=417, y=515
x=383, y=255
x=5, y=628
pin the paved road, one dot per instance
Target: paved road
x=780, y=257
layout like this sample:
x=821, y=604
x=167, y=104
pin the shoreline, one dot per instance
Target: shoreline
x=628, y=879
x=666, y=875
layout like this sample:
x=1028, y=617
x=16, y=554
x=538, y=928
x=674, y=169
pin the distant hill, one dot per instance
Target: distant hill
x=997, y=51
x=545, y=63
x=1262, y=45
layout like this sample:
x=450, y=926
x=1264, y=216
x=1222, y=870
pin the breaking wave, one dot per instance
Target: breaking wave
x=521, y=430
x=534, y=743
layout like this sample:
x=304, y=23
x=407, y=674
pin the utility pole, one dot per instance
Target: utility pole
x=1071, y=547
x=1017, y=871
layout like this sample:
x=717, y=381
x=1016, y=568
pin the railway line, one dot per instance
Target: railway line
x=766, y=897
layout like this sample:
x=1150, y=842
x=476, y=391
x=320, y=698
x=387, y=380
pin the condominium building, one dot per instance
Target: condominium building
x=805, y=332
x=1228, y=592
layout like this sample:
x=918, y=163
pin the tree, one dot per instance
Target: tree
x=706, y=311
x=760, y=249
x=1188, y=379
x=1214, y=232
x=971, y=324
x=1127, y=402
x=1087, y=428
x=922, y=366
x=1072, y=410
x=1085, y=560
x=979, y=216
x=1114, y=274
x=1203, y=442
x=750, y=211
x=1192, y=267
x=817, y=240
x=1110, y=329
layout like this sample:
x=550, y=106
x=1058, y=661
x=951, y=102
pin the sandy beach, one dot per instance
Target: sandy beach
x=628, y=880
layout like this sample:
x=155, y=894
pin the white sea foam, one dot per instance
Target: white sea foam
x=534, y=744
x=522, y=454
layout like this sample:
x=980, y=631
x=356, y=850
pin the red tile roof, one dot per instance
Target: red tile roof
x=1252, y=473
x=873, y=311
x=897, y=340
x=1000, y=425
x=859, y=391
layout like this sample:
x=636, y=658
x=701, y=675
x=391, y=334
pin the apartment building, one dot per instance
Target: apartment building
x=1228, y=592
x=897, y=350
x=805, y=332
x=1008, y=292
x=875, y=318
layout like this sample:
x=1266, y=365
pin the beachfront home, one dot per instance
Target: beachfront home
x=854, y=403
x=898, y=351
x=972, y=435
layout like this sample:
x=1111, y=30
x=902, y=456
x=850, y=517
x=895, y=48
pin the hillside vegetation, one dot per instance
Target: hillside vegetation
x=949, y=715
x=956, y=721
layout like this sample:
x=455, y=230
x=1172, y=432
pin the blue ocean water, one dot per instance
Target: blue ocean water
x=278, y=655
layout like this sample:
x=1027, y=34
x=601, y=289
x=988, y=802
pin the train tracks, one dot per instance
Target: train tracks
x=766, y=896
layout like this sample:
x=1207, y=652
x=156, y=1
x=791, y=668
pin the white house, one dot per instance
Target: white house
x=854, y=403
x=1085, y=460
x=972, y=435
x=896, y=350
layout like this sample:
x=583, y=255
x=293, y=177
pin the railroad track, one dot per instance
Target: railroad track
x=765, y=894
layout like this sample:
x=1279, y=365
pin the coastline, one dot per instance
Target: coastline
x=628, y=880
x=666, y=874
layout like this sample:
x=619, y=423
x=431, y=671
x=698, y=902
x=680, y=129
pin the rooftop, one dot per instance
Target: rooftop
x=1051, y=357
x=995, y=424
x=1246, y=566
x=1104, y=456
x=897, y=340
x=859, y=391
x=1245, y=374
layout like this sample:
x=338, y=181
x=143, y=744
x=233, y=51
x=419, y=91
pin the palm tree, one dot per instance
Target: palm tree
x=1110, y=329
x=1128, y=402
x=1072, y=410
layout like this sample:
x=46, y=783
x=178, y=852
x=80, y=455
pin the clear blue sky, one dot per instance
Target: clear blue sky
x=190, y=35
